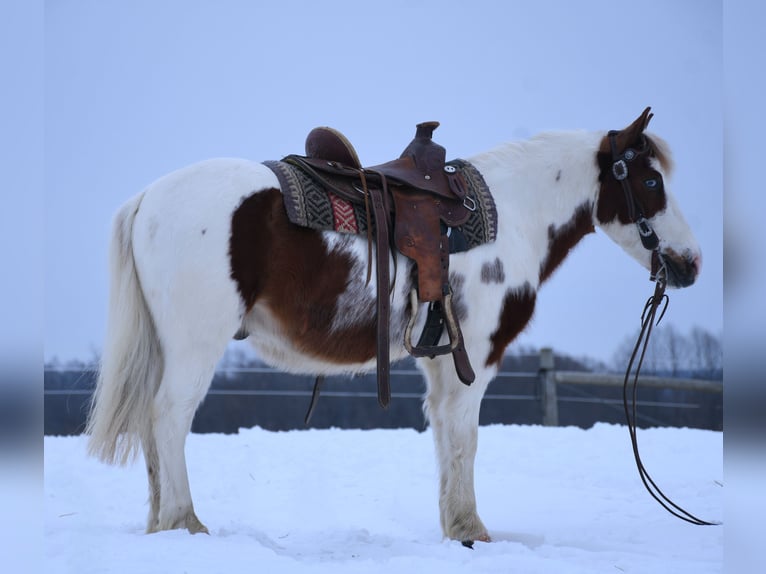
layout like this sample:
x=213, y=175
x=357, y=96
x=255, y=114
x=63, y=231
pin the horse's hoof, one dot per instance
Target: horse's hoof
x=484, y=538
x=194, y=526
x=480, y=538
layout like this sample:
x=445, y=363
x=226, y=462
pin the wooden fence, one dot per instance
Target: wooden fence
x=278, y=401
x=550, y=378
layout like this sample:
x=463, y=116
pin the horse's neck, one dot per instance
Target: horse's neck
x=538, y=186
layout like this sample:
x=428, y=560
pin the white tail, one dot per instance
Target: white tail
x=131, y=365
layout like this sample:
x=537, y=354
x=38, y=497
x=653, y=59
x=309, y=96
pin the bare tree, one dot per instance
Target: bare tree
x=671, y=351
x=678, y=350
x=708, y=351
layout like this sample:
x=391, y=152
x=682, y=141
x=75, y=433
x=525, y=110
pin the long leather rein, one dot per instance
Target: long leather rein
x=649, y=319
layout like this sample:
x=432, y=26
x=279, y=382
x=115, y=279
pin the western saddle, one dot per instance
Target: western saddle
x=418, y=197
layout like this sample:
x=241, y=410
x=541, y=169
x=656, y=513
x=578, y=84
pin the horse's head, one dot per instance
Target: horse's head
x=635, y=207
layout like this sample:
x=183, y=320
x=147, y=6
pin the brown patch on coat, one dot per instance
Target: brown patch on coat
x=561, y=240
x=493, y=272
x=611, y=198
x=518, y=306
x=289, y=269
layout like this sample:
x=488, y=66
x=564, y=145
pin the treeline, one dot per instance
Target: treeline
x=696, y=354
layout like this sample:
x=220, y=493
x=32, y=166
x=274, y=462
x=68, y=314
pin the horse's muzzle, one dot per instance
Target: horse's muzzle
x=681, y=270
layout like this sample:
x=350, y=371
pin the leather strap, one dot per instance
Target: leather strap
x=462, y=362
x=648, y=320
x=383, y=288
x=459, y=355
x=649, y=238
x=417, y=234
x=314, y=398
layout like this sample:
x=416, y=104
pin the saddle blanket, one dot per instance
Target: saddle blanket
x=308, y=204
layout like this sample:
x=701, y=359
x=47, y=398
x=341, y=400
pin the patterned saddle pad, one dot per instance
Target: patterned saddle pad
x=308, y=204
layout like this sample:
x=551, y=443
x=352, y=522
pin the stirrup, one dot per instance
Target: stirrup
x=456, y=347
x=432, y=351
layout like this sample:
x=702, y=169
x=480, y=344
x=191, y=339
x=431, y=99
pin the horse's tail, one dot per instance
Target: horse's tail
x=131, y=363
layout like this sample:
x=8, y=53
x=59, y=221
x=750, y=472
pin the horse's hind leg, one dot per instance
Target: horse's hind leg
x=185, y=381
x=152, y=459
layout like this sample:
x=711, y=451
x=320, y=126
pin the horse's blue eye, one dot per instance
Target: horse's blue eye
x=651, y=183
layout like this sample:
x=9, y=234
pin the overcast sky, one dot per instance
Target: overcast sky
x=136, y=89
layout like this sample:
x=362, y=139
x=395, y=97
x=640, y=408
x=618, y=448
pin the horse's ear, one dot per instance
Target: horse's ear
x=631, y=135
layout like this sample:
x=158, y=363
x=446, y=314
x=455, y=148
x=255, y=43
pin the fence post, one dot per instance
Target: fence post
x=549, y=398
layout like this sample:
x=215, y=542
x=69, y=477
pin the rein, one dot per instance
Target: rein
x=647, y=323
x=651, y=242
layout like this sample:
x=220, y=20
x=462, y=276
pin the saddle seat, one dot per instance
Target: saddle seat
x=331, y=145
x=419, y=197
x=420, y=167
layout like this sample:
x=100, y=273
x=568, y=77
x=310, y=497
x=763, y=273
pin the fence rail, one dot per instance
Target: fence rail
x=609, y=380
x=550, y=378
x=244, y=397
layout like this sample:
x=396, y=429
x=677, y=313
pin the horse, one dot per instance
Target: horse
x=207, y=252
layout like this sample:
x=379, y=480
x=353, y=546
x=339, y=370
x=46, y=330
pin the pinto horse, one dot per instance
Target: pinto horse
x=208, y=251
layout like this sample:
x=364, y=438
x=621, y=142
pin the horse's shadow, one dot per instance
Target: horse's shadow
x=350, y=544
x=337, y=545
x=531, y=541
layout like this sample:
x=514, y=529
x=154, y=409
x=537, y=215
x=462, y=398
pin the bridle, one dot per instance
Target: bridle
x=651, y=242
x=648, y=236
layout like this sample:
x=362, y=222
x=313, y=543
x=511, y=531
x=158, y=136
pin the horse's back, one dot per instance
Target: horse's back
x=206, y=189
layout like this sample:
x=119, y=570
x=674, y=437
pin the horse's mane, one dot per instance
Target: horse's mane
x=661, y=151
x=658, y=147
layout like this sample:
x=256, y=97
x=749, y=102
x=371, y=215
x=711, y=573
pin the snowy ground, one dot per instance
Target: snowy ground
x=561, y=500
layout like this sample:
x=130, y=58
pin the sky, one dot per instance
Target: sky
x=134, y=90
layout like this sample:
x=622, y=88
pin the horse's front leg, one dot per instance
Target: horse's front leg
x=452, y=409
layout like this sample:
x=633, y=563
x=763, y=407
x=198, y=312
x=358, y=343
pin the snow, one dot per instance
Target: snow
x=554, y=500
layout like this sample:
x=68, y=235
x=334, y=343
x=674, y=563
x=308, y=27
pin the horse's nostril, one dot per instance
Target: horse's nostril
x=682, y=271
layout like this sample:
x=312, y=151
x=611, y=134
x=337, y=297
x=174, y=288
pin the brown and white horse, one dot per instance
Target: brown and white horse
x=208, y=250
